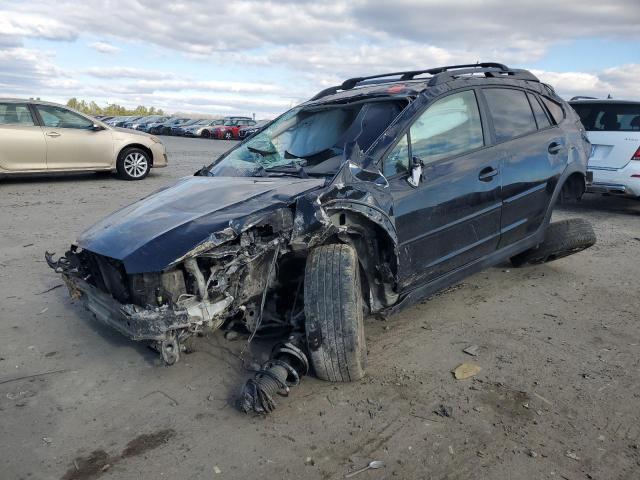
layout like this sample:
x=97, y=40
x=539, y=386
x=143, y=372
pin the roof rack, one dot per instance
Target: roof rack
x=582, y=97
x=439, y=75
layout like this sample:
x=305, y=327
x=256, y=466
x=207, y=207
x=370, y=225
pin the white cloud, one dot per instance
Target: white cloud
x=621, y=82
x=309, y=44
x=104, y=47
x=127, y=72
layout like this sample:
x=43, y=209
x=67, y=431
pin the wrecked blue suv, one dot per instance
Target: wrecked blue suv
x=366, y=198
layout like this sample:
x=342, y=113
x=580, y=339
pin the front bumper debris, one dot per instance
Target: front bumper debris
x=134, y=322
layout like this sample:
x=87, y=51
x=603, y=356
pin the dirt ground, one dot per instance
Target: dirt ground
x=558, y=395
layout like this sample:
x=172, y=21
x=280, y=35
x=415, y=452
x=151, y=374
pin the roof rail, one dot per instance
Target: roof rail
x=439, y=75
x=582, y=97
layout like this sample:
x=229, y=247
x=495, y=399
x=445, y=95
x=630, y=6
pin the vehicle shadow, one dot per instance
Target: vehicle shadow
x=604, y=204
x=63, y=177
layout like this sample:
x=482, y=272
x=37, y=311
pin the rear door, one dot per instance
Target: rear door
x=533, y=150
x=22, y=144
x=72, y=143
x=613, y=129
x=453, y=216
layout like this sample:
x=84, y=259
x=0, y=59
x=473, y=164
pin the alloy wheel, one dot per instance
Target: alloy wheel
x=136, y=164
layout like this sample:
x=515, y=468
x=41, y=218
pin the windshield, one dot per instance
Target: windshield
x=309, y=140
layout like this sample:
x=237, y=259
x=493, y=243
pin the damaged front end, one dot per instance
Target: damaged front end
x=221, y=280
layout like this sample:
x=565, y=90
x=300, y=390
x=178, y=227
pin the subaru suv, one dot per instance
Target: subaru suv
x=370, y=196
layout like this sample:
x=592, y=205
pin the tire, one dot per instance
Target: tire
x=205, y=134
x=334, y=320
x=228, y=135
x=133, y=164
x=561, y=239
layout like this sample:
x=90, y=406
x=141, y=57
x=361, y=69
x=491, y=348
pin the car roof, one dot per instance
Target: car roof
x=28, y=100
x=406, y=84
x=604, y=100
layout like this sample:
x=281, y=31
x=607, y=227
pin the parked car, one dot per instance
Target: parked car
x=180, y=129
x=613, y=128
x=370, y=196
x=43, y=137
x=248, y=130
x=230, y=128
x=126, y=120
x=144, y=123
x=202, y=128
x=164, y=128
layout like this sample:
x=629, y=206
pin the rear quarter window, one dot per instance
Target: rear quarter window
x=609, y=117
x=555, y=109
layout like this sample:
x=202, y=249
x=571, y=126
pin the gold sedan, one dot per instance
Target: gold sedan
x=43, y=137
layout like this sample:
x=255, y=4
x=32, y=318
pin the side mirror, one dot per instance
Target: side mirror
x=416, y=171
x=97, y=128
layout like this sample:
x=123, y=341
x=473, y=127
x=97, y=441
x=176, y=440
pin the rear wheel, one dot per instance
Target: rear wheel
x=334, y=320
x=561, y=239
x=205, y=134
x=228, y=135
x=133, y=164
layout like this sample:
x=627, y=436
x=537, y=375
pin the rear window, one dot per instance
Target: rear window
x=511, y=113
x=609, y=117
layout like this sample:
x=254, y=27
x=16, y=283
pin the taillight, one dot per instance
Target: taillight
x=636, y=156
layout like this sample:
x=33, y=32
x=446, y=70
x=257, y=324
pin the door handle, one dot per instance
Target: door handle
x=487, y=174
x=554, y=147
x=52, y=134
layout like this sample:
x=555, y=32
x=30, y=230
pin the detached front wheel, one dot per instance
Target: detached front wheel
x=133, y=164
x=334, y=320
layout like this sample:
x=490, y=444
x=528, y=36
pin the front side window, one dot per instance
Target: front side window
x=58, y=117
x=449, y=127
x=398, y=160
x=15, y=114
x=511, y=113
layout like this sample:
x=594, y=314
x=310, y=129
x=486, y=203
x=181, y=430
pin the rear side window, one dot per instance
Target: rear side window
x=15, y=114
x=541, y=117
x=511, y=113
x=555, y=109
x=450, y=126
x=609, y=117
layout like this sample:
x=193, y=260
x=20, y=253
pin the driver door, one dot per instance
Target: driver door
x=453, y=216
x=72, y=142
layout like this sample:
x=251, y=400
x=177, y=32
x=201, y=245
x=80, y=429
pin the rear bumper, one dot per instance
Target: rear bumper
x=132, y=321
x=616, y=182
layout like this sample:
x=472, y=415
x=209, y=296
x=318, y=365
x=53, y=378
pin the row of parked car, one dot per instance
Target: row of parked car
x=227, y=128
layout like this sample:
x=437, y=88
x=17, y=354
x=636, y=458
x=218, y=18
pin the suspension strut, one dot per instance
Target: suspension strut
x=288, y=363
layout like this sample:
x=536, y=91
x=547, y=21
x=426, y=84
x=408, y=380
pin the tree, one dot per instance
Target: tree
x=113, y=109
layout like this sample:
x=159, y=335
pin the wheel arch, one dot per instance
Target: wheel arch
x=376, y=246
x=146, y=149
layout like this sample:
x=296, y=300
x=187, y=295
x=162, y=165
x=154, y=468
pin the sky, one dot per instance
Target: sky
x=240, y=57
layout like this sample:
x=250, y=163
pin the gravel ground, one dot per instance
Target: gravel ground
x=557, y=396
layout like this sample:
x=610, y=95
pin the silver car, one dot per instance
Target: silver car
x=43, y=137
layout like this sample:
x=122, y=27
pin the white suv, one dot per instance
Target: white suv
x=613, y=128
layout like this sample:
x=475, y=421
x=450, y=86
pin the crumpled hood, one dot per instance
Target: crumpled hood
x=151, y=233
